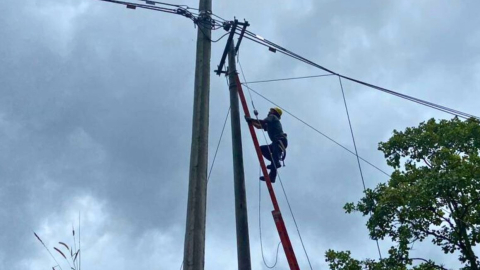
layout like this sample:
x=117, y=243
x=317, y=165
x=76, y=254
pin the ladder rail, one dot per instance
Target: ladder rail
x=277, y=215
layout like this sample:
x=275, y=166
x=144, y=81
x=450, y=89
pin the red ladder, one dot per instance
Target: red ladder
x=277, y=215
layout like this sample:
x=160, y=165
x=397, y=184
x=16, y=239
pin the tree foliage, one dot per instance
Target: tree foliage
x=433, y=194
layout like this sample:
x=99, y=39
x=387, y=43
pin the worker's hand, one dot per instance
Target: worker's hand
x=248, y=119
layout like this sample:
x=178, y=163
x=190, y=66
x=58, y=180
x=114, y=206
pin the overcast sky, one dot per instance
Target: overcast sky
x=96, y=109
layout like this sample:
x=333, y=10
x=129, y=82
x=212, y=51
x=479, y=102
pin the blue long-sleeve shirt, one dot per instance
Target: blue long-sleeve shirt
x=273, y=127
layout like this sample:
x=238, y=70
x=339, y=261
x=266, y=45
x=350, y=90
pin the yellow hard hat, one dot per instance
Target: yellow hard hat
x=278, y=110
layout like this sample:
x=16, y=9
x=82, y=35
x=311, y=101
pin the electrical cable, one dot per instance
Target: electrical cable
x=260, y=225
x=356, y=151
x=220, y=37
x=201, y=19
x=135, y=5
x=426, y=103
x=284, y=192
x=290, y=78
x=319, y=132
x=246, y=84
x=288, y=202
x=294, y=220
x=208, y=38
x=218, y=145
x=213, y=24
x=259, y=183
x=165, y=4
x=274, y=47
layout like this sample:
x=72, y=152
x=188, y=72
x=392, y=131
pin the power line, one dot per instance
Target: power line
x=294, y=220
x=201, y=19
x=219, y=37
x=275, y=47
x=260, y=226
x=356, y=151
x=290, y=78
x=218, y=145
x=135, y=5
x=319, y=132
x=283, y=188
x=166, y=4
x=220, y=139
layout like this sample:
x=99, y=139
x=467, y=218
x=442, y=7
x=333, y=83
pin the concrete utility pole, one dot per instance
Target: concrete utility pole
x=243, y=242
x=194, y=248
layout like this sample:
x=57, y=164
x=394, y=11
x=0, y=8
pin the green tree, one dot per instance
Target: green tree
x=433, y=195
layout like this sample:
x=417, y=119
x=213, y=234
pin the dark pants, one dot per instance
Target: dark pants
x=274, y=151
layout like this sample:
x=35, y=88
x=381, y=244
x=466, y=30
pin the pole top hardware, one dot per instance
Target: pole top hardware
x=232, y=27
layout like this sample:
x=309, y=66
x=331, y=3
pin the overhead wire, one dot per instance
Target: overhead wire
x=203, y=18
x=289, y=78
x=167, y=4
x=356, y=150
x=135, y=5
x=294, y=220
x=213, y=24
x=246, y=84
x=260, y=226
x=318, y=131
x=426, y=103
x=340, y=76
x=274, y=47
x=218, y=145
x=209, y=38
x=283, y=188
x=217, y=40
x=259, y=184
x=284, y=191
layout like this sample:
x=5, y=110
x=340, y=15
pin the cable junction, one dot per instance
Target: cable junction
x=200, y=18
x=277, y=48
x=204, y=19
x=317, y=131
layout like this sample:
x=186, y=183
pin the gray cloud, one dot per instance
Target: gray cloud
x=95, y=116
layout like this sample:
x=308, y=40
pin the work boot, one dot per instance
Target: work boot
x=262, y=178
x=270, y=167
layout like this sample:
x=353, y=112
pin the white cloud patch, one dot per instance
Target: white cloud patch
x=95, y=117
x=56, y=20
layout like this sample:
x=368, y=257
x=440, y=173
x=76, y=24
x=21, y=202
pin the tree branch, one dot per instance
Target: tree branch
x=429, y=262
x=426, y=162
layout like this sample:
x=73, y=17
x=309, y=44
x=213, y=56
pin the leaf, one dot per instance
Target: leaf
x=65, y=245
x=76, y=254
x=58, y=250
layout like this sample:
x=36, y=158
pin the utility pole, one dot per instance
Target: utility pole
x=243, y=242
x=194, y=248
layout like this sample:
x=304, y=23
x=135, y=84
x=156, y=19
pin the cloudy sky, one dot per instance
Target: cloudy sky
x=96, y=109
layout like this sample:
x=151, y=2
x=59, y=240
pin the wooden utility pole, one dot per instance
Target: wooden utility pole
x=243, y=242
x=194, y=248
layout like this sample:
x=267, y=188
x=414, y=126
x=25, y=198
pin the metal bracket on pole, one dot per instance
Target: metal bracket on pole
x=245, y=25
x=235, y=23
x=225, y=52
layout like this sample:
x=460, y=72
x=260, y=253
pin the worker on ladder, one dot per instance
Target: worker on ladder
x=276, y=151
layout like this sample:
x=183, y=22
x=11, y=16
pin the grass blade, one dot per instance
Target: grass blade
x=58, y=250
x=76, y=255
x=51, y=255
x=38, y=237
x=65, y=245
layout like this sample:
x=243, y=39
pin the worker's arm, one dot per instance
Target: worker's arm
x=256, y=123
